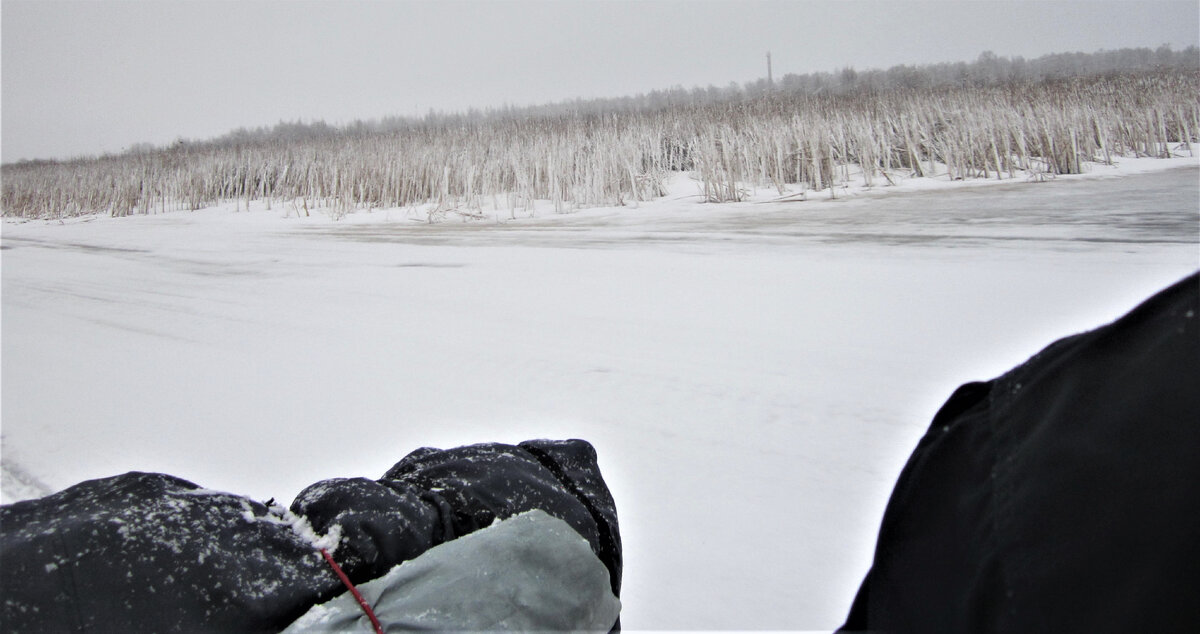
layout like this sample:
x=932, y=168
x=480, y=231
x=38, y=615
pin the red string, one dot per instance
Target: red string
x=362, y=603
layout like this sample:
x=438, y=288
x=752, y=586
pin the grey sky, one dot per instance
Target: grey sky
x=92, y=77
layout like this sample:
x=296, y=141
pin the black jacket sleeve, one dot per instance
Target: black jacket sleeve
x=433, y=496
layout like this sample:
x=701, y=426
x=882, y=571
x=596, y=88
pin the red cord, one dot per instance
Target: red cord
x=362, y=603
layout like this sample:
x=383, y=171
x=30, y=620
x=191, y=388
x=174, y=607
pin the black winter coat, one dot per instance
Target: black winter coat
x=1063, y=496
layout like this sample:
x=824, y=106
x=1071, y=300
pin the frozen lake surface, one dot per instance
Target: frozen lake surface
x=752, y=375
x=1159, y=207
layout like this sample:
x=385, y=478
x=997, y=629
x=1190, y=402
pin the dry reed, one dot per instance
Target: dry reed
x=622, y=155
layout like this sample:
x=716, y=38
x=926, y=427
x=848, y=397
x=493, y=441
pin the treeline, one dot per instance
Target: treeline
x=993, y=118
x=987, y=70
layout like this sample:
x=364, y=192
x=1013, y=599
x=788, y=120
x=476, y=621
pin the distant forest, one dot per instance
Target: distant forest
x=996, y=117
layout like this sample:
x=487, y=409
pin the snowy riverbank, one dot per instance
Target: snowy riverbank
x=683, y=193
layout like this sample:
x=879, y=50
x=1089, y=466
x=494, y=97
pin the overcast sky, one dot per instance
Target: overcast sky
x=92, y=77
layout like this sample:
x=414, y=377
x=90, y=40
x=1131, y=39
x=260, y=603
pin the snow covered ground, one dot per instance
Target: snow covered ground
x=752, y=375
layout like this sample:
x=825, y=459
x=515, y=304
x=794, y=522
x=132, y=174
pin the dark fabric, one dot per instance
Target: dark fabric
x=1063, y=496
x=146, y=552
x=150, y=552
x=458, y=491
